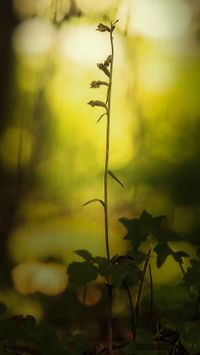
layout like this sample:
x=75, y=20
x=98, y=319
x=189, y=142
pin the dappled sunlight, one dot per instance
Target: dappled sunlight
x=53, y=152
x=155, y=19
x=31, y=277
x=33, y=37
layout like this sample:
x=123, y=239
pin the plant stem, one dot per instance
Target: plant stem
x=132, y=310
x=151, y=289
x=187, y=285
x=109, y=286
x=140, y=288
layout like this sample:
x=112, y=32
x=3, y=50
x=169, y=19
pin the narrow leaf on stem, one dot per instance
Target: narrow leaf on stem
x=101, y=117
x=115, y=178
x=94, y=200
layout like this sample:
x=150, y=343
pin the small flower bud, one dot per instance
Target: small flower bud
x=96, y=84
x=103, y=67
x=103, y=28
x=97, y=103
x=108, y=61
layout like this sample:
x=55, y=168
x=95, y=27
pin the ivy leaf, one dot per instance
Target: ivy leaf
x=137, y=255
x=179, y=255
x=84, y=254
x=167, y=235
x=190, y=336
x=115, y=178
x=125, y=271
x=140, y=228
x=81, y=274
x=94, y=200
x=163, y=251
x=103, y=265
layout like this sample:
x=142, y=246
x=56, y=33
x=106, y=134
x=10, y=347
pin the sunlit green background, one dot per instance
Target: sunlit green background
x=52, y=151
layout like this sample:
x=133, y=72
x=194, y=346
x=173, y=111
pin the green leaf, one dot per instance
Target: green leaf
x=81, y=274
x=94, y=200
x=179, y=255
x=166, y=235
x=163, y=251
x=103, y=265
x=115, y=178
x=140, y=228
x=125, y=271
x=105, y=113
x=84, y=254
x=190, y=336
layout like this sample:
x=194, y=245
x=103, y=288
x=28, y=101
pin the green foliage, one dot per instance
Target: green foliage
x=103, y=265
x=81, y=274
x=115, y=178
x=139, y=229
x=125, y=270
x=163, y=250
x=21, y=335
x=192, y=276
x=84, y=254
x=190, y=336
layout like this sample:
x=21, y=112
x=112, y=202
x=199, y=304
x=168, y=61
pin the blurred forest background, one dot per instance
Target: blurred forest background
x=52, y=150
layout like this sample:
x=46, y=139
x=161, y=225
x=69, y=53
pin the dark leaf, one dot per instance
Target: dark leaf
x=115, y=178
x=94, y=200
x=166, y=235
x=103, y=265
x=190, y=336
x=125, y=271
x=179, y=255
x=163, y=251
x=104, y=68
x=81, y=274
x=84, y=254
x=101, y=117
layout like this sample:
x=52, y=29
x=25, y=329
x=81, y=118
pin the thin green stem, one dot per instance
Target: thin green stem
x=187, y=285
x=106, y=224
x=131, y=310
x=140, y=288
